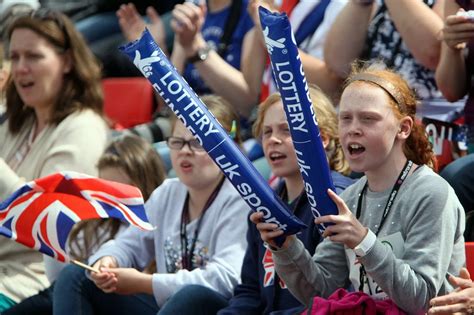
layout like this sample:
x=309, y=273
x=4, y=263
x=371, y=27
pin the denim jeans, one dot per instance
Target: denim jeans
x=74, y=293
x=195, y=300
x=38, y=304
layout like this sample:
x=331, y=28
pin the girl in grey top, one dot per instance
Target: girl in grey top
x=400, y=227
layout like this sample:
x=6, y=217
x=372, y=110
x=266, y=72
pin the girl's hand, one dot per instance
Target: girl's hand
x=269, y=231
x=131, y=281
x=104, y=280
x=346, y=228
x=457, y=31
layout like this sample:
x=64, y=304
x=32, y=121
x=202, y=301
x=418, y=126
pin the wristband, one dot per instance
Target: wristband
x=366, y=245
x=363, y=2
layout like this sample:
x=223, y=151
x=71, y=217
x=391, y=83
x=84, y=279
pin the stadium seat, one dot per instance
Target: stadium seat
x=128, y=101
x=470, y=258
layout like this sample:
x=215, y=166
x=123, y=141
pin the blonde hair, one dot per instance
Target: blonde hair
x=327, y=122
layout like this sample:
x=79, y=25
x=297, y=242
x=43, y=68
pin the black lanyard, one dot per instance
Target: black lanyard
x=187, y=255
x=396, y=188
x=388, y=206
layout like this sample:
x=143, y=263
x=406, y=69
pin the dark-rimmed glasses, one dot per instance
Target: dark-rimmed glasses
x=177, y=143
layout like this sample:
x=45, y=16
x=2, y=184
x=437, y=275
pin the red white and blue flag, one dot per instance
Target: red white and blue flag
x=41, y=214
x=269, y=267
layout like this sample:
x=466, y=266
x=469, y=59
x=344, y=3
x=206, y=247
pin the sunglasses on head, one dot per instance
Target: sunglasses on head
x=44, y=14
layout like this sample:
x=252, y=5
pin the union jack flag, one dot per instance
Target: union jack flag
x=41, y=214
x=269, y=267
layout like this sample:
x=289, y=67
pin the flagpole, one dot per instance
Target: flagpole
x=78, y=263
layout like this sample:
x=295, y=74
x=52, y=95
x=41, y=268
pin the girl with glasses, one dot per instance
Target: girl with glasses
x=199, y=239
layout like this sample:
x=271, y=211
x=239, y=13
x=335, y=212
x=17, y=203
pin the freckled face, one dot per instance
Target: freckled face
x=367, y=127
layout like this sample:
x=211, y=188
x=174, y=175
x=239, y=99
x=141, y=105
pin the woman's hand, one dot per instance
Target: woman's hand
x=269, y=231
x=132, y=24
x=460, y=301
x=457, y=31
x=346, y=228
x=187, y=22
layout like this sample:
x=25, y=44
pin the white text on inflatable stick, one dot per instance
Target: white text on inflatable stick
x=287, y=82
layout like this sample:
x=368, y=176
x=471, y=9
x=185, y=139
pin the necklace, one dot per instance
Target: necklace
x=396, y=188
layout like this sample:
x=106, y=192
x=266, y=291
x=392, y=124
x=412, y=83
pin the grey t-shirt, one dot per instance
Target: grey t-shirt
x=421, y=240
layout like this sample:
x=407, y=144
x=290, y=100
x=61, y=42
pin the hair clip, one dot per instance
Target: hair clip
x=233, y=130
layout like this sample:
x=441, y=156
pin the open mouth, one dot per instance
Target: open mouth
x=355, y=149
x=26, y=84
x=186, y=165
x=276, y=156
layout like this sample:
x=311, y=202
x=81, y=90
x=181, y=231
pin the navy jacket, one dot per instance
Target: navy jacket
x=262, y=291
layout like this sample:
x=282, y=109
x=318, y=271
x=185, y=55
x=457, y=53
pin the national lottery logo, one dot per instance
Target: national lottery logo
x=272, y=43
x=145, y=64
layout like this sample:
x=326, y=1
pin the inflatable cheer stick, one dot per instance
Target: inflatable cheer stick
x=293, y=88
x=154, y=65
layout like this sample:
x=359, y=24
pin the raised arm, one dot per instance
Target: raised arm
x=132, y=24
x=451, y=74
x=253, y=64
x=254, y=58
x=318, y=72
x=222, y=78
x=419, y=26
x=346, y=38
x=226, y=80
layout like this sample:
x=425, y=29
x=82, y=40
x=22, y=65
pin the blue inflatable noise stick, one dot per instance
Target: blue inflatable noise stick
x=178, y=95
x=291, y=82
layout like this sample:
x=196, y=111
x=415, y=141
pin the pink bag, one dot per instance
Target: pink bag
x=342, y=302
